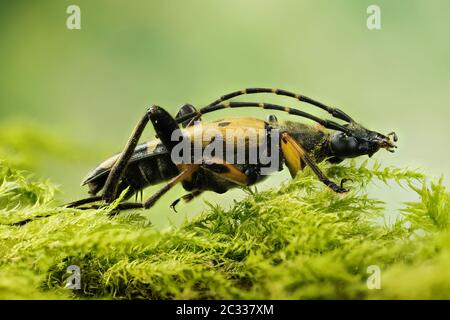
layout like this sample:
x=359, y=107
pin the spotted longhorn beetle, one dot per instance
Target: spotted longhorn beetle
x=300, y=145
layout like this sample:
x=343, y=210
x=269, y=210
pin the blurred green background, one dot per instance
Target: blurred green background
x=70, y=98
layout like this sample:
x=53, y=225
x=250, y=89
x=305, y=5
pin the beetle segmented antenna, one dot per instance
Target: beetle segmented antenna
x=269, y=106
x=335, y=112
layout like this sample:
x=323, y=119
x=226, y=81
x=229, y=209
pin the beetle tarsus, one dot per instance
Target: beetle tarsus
x=174, y=204
x=338, y=189
x=344, y=181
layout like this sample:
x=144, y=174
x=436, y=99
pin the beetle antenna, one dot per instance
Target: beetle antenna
x=268, y=106
x=335, y=112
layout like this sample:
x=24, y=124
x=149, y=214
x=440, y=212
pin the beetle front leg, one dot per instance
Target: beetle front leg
x=323, y=178
x=294, y=155
x=183, y=175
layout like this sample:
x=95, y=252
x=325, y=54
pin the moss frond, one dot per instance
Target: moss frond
x=297, y=241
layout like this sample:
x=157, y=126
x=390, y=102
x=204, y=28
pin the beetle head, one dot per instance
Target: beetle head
x=360, y=141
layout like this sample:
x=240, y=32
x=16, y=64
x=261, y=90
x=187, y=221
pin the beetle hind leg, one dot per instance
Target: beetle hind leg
x=81, y=202
x=110, y=191
x=164, y=125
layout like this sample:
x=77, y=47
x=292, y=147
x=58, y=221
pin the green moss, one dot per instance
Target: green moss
x=298, y=241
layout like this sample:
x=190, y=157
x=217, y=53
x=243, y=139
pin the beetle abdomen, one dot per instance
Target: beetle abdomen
x=149, y=165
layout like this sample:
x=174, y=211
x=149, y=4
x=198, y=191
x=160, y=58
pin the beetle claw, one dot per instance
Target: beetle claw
x=341, y=188
x=174, y=204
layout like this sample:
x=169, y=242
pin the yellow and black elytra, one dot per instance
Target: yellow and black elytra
x=300, y=145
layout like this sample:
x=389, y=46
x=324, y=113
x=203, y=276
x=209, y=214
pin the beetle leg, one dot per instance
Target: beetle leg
x=81, y=202
x=323, y=178
x=117, y=171
x=187, y=109
x=121, y=206
x=227, y=171
x=292, y=153
x=164, y=125
x=296, y=157
x=183, y=175
x=186, y=198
